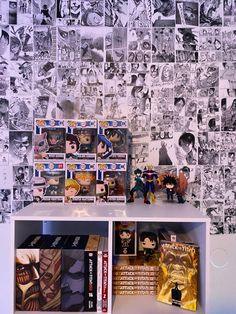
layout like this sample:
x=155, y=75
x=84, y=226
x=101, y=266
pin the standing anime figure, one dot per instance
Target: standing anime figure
x=174, y=185
x=104, y=148
x=139, y=186
x=170, y=183
x=150, y=176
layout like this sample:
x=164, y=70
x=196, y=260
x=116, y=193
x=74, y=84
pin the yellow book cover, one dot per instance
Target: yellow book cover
x=178, y=274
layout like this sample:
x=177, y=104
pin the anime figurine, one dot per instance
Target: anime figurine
x=174, y=185
x=53, y=183
x=72, y=145
x=149, y=244
x=115, y=136
x=139, y=186
x=39, y=188
x=85, y=140
x=111, y=183
x=170, y=182
x=85, y=180
x=125, y=240
x=101, y=191
x=72, y=188
x=150, y=176
x=40, y=146
x=104, y=148
x=56, y=141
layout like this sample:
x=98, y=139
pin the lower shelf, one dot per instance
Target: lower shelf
x=145, y=305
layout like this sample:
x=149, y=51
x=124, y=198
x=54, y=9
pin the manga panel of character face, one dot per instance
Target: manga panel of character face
x=92, y=14
x=20, y=147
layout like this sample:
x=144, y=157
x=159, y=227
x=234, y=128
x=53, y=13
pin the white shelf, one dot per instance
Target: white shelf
x=161, y=211
x=78, y=218
x=146, y=305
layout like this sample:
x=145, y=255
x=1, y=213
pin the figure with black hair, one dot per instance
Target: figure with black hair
x=174, y=185
x=72, y=145
x=170, y=183
x=115, y=136
x=101, y=191
x=149, y=244
x=138, y=187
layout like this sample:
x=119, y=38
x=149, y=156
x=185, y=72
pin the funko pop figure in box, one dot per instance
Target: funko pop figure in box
x=111, y=181
x=174, y=185
x=39, y=188
x=112, y=140
x=72, y=189
x=150, y=177
x=86, y=139
x=116, y=137
x=125, y=236
x=104, y=148
x=56, y=140
x=81, y=139
x=101, y=191
x=72, y=145
x=41, y=146
x=54, y=183
x=149, y=244
x=50, y=139
x=85, y=180
x=84, y=173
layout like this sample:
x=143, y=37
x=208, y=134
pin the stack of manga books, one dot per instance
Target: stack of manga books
x=135, y=262
x=134, y=278
x=62, y=273
x=80, y=161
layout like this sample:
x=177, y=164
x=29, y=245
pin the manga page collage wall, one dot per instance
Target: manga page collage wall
x=169, y=66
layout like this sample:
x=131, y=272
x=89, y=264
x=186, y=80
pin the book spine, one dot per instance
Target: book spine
x=134, y=268
x=134, y=283
x=133, y=278
x=104, y=281
x=134, y=273
x=99, y=282
x=136, y=292
x=90, y=283
x=135, y=288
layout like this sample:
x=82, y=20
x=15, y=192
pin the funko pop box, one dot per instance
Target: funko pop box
x=111, y=182
x=49, y=182
x=81, y=140
x=49, y=139
x=80, y=184
x=112, y=144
